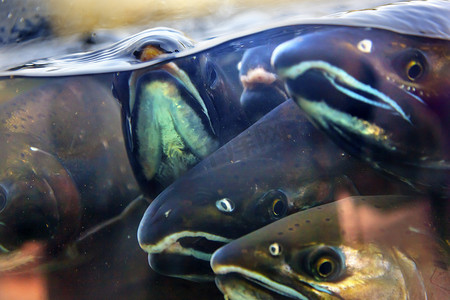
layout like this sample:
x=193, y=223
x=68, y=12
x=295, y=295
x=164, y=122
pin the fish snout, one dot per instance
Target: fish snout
x=230, y=258
x=162, y=221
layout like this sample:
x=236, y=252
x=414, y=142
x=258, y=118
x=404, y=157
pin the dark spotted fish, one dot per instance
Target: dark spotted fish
x=379, y=247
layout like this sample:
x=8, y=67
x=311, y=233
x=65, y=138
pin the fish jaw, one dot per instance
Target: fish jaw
x=169, y=257
x=171, y=244
x=236, y=287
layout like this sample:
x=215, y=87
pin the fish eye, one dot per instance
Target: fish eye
x=225, y=205
x=324, y=264
x=275, y=249
x=412, y=64
x=414, y=70
x=270, y=207
x=276, y=204
x=324, y=267
x=279, y=208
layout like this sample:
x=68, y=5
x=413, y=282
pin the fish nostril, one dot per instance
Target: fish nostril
x=151, y=211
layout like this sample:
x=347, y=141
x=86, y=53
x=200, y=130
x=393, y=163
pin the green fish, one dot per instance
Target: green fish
x=57, y=178
x=278, y=166
x=378, y=247
x=380, y=91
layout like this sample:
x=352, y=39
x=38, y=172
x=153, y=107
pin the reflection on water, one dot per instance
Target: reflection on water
x=181, y=148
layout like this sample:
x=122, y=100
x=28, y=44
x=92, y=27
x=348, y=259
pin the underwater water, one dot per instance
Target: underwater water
x=266, y=152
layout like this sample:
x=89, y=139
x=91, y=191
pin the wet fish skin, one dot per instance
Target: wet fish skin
x=56, y=176
x=281, y=163
x=379, y=247
x=381, y=95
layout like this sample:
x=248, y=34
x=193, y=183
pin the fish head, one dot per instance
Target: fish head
x=39, y=200
x=263, y=90
x=196, y=215
x=380, y=95
x=311, y=255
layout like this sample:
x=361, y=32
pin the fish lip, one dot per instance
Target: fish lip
x=273, y=286
x=258, y=287
x=179, y=266
x=171, y=244
x=341, y=80
x=258, y=279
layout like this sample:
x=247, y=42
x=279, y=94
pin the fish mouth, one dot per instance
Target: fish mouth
x=341, y=104
x=181, y=266
x=183, y=249
x=314, y=80
x=258, y=281
x=197, y=244
x=236, y=287
x=171, y=129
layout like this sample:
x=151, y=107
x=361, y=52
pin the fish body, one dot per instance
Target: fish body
x=379, y=247
x=56, y=175
x=278, y=166
x=381, y=95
